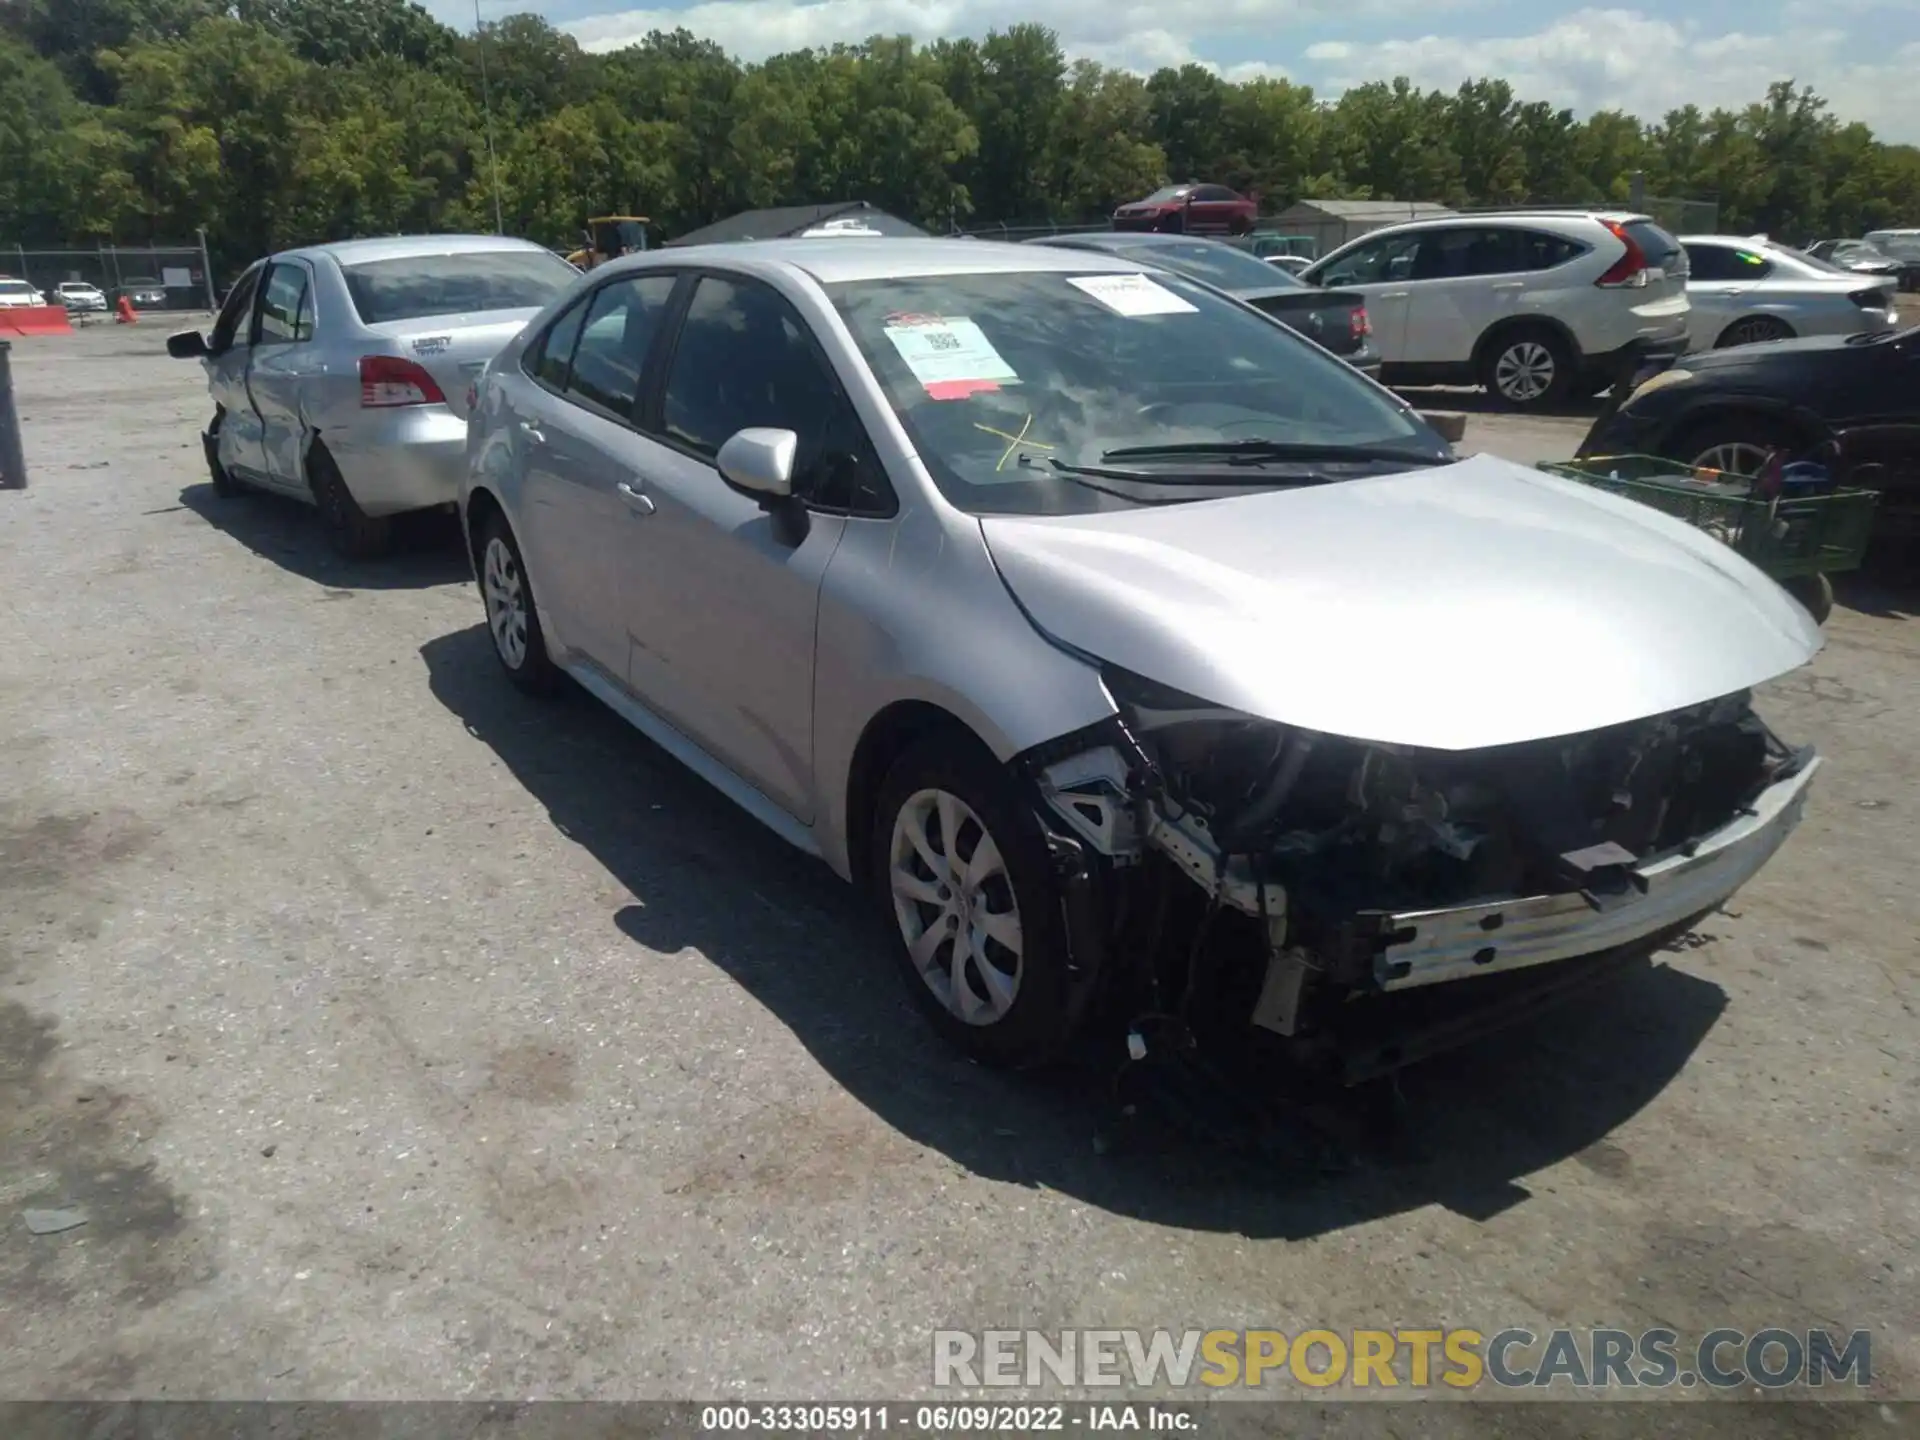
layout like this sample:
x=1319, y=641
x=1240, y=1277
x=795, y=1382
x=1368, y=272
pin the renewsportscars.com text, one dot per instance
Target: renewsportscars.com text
x=1460, y=1359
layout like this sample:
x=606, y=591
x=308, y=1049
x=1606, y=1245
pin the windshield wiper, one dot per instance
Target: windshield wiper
x=1253, y=451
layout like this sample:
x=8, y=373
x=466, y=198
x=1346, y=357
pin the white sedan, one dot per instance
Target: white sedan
x=1747, y=290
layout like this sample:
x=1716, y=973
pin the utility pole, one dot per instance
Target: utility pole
x=206, y=271
x=13, y=461
x=486, y=103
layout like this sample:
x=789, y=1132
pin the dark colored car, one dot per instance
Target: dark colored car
x=1190, y=209
x=1731, y=409
x=1336, y=320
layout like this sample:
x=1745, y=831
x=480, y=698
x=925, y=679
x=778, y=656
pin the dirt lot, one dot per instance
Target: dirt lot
x=405, y=1037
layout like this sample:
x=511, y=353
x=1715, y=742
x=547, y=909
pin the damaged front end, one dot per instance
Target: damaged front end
x=1321, y=888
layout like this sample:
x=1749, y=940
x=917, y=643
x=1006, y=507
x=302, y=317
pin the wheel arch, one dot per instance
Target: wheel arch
x=481, y=506
x=1804, y=426
x=1516, y=324
x=888, y=736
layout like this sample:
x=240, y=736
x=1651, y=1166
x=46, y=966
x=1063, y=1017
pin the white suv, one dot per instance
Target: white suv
x=1536, y=305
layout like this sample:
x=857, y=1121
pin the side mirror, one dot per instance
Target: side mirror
x=760, y=461
x=187, y=345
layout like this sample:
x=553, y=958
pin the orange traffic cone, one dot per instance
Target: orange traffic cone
x=127, y=315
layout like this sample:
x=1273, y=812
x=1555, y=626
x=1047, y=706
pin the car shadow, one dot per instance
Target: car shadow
x=426, y=548
x=704, y=876
x=1480, y=402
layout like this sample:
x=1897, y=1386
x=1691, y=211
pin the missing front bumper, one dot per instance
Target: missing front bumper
x=1430, y=947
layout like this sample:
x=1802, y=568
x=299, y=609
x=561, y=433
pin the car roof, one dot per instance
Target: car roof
x=407, y=247
x=831, y=260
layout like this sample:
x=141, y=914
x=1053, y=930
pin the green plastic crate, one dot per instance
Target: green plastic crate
x=1812, y=535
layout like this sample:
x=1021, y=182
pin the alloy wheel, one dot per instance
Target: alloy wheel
x=1752, y=331
x=1733, y=457
x=506, y=596
x=954, y=901
x=1524, y=371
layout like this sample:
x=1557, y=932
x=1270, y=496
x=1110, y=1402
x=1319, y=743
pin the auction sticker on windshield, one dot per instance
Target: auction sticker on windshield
x=1132, y=295
x=949, y=355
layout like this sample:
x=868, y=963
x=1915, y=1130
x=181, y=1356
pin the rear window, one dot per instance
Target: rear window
x=1658, y=246
x=1211, y=261
x=421, y=285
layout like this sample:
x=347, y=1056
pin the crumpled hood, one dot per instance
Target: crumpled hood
x=1476, y=604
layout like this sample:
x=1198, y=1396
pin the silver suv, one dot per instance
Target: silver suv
x=1537, y=306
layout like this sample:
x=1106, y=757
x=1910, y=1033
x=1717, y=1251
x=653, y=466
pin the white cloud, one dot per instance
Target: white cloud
x=1626, y=60
x=1130, y=34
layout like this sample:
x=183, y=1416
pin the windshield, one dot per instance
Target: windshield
x=1165, y=193
x=1212, y=261
x=1001, y=378
x=463, y=283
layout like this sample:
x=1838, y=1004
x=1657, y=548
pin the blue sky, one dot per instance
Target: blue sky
x=1862, y=55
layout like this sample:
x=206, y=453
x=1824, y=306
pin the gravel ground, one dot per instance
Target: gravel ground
x=403, y=1037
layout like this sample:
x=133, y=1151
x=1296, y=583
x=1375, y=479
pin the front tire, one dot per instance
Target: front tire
x=959, y=872
x=1732, y=444
x=1527, y=369
x=224, y=485
x=513, y=620
x=1815, y=594
x=354, y=534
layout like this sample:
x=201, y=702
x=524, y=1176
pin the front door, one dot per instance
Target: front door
x=1381, y=269
x=283, y=359
x=726, y=594
x=229, y=349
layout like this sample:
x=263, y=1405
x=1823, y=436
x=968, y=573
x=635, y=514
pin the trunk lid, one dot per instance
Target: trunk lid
x=1456, y=608
x=453, y=349
x=1323, y=316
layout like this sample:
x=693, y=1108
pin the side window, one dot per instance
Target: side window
x=1213, y=192
x=744, y=358
x=550, y=358
x=1468, y=252
x=231, y=328
x=622, y=320
x=1539, y=251
x=280, y=307
x=1709, y=262
x=1377, y=262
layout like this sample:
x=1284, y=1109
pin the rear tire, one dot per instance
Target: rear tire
x=1753, y=330
x=224, y=485
x=1527, y=368
x=354, y=534
x=513, y=619
x=957, y=860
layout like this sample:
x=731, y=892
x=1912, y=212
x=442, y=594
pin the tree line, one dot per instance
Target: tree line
x=274, y=122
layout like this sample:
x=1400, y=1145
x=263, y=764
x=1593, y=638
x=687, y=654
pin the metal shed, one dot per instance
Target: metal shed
x=1331, y=223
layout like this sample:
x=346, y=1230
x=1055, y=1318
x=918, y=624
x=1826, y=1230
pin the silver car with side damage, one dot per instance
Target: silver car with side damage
x=1118, y=640
x=340, y=372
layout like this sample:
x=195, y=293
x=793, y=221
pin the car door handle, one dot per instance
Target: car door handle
x=642, y=504
x=533, y=432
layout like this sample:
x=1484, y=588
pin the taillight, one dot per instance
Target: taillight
x=1871, y=299
x=387, y=381
x=1359, y=324
x=1630, y=270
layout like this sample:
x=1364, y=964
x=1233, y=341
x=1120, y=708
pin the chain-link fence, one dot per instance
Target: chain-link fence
x=153, y=277
x=1683, y=217
x=1030, y=230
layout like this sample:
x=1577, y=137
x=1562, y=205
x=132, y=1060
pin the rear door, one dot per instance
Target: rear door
x=229, y=350
x=283, y=357
x=584, y=503
x=1465, y=279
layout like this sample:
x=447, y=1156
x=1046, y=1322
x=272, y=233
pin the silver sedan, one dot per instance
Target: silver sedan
x=1083, y=615
x=340, y=372
x=1745, y=290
